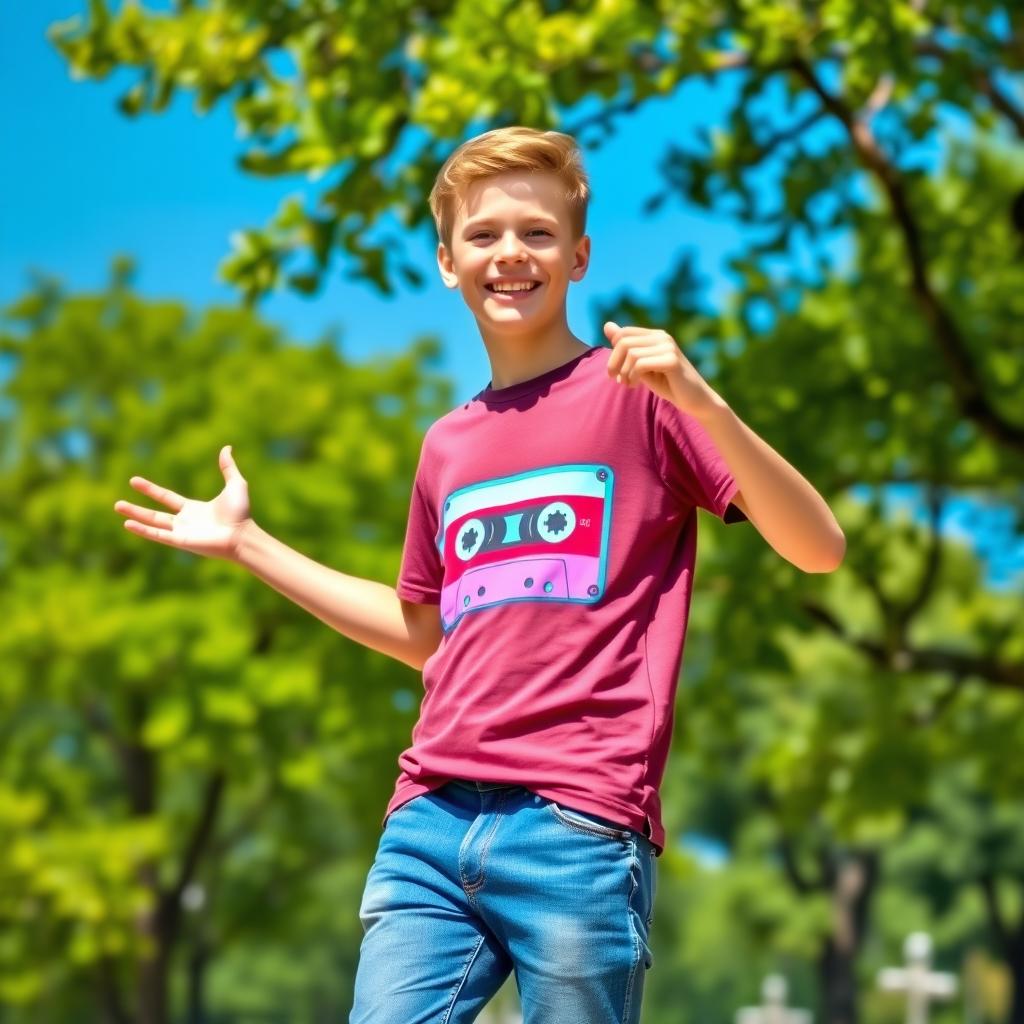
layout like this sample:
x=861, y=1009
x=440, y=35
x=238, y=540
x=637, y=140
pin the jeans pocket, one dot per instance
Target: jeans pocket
x=585, y=821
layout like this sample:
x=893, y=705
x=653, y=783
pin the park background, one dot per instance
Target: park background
x=215, y=231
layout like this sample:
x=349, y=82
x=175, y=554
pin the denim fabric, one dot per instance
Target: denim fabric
x=474, y=880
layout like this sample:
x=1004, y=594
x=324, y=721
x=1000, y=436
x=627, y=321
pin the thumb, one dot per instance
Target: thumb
x=227, y=463
x=610, y=327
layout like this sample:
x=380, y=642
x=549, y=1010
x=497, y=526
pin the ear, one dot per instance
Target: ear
x=446, y=266
x=581, y=259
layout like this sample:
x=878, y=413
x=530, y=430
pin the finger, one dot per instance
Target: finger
x=612, y=330
x=647, y=364
x=161, y=536
x=617, y=355
x=227, y=463
x=175, y=502
x=619, y=360
x=151, y=517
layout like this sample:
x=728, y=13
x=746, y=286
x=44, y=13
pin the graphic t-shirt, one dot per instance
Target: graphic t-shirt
x=554, y=524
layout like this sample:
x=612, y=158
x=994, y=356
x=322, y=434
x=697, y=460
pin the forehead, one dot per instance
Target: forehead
x=513, y=194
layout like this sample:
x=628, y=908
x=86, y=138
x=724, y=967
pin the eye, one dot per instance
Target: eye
x=480, y=234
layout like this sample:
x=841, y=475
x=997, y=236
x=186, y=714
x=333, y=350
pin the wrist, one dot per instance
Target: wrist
x=713, y=409
x=243, y=541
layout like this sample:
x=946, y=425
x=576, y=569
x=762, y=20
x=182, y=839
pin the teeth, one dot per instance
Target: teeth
x=513, y=287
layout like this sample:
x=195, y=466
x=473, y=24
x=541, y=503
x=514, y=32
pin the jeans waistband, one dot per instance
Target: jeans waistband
x=485, y=786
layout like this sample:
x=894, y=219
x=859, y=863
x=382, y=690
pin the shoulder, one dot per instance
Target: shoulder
x=442, y=436
x=443, y=433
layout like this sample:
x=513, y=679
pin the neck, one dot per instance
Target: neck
x=518, y=357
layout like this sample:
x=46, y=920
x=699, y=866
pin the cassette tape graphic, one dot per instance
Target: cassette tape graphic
x=537, y=536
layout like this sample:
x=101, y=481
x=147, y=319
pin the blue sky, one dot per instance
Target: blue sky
x=82, y=183
x=90, y=183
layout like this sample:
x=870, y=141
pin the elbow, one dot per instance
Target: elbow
x=830, y=558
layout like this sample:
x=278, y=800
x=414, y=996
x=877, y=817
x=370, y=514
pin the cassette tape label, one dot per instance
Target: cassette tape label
x=536, y=536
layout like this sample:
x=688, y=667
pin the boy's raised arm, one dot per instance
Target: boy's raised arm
x=366, y=611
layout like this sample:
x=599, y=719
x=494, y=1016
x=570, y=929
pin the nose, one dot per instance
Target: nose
x=510, y=247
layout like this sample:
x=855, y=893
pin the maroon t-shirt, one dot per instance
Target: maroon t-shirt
x=554, y=524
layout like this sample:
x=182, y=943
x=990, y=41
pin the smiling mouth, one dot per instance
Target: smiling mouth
x=534, y=285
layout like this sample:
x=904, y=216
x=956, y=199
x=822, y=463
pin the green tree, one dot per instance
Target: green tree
x=966, y=855
x=842, y=377
x=368, y=80
x=809, y=770
x=903, y=368
x=182, y=750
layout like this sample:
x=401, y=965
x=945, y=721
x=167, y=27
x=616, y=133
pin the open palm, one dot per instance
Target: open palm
x=203, y=527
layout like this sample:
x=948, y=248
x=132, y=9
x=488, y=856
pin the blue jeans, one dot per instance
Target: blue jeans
x=477, y=879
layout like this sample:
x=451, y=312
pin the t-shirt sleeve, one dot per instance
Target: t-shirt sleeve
x=691, y=464
x=422, y=572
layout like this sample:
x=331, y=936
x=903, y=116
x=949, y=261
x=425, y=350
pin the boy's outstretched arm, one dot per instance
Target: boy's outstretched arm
x=786, y=510
x=366, y=611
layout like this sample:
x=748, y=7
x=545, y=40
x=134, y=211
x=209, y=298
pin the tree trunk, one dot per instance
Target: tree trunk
x=109, y=993
x=838, y=985
x=1017, y=1001
x=151, y=992
x=852, y=884
x=198, y=958
x=153, y=989
x=1010, y=939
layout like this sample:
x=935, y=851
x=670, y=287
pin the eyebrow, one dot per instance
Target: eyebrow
x=536, y=218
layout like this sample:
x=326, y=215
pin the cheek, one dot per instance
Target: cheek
x=471, y=291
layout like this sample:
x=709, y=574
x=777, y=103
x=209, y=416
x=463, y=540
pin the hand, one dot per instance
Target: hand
x=653, y=358
x=204, y=527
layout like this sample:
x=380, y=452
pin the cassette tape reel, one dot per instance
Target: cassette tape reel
x=552, y=522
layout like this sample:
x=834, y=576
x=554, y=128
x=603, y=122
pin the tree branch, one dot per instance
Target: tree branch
x=170, y=899
x=1007, y=674
x=929, y=572
x=769, y=146
x=980, y=77
x=802, y=883
x=963, y=374
x=995, y=915
x=943, y=701
x=244, y=825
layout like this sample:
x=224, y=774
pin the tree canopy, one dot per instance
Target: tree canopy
x=833, y=732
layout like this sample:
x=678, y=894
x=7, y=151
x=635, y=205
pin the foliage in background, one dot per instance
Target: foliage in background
x=832, y=730
x=846, y=703
x=183, y=750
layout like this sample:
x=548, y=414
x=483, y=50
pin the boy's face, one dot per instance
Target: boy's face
x=514, y=226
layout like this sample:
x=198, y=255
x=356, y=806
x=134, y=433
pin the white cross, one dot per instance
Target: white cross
x=917, y=979
x=773, y=1009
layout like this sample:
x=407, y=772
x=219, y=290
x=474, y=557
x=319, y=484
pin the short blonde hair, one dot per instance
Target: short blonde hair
x=513, y=148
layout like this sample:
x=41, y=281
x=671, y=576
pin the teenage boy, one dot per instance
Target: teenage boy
x=544, y=592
